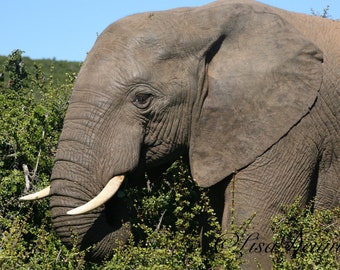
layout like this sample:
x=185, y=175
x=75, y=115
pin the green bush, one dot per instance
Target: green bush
x=31, y=118
x=27, y=246
x=30, y=122
x=171, y=211
x=306, y=239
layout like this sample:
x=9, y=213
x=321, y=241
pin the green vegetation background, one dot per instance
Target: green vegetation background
x=34, y=97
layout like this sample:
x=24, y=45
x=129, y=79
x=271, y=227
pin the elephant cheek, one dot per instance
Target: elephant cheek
x=101, y=230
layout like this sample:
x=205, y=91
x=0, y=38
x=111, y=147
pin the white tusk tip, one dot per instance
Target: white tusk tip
x=73, y=212
x=38, y=195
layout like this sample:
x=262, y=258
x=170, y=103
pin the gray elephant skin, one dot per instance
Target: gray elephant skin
x=241, y=89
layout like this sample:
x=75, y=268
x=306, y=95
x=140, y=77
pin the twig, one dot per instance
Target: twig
x=160, y=221
x=38, y=158
x=28, y=183
x=36, y=165
x=30, y=177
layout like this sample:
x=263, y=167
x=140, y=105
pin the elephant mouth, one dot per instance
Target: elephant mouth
x=106, y=194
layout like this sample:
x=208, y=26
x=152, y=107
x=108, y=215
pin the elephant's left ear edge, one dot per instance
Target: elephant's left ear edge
x=253, y=103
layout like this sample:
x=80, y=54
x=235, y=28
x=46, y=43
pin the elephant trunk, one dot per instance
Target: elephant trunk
x=84, y=164
x=102, y=228
x=99, y=228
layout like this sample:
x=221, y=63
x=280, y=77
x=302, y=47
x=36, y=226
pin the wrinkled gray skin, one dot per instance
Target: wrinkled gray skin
x=235, y=87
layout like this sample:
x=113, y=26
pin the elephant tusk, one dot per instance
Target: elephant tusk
x=108, y=191
x=38, y=195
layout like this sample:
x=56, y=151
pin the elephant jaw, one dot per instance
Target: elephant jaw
x=107, y=193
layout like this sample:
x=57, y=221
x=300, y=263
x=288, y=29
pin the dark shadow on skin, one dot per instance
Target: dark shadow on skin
x=216, y=195
x=313, y=184
x=155, y=173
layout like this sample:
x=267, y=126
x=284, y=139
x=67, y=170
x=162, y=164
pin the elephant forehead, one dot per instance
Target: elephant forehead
x=117, y=71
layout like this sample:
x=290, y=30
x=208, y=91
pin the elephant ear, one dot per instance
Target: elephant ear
x=262, y=78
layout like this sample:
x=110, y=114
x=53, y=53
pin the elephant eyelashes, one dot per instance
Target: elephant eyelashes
x=142, y=101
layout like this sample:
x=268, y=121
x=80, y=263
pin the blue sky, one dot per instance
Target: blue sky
x=67, y=29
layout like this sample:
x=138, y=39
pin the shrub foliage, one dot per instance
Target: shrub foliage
x=306, y=239
x=171, y=212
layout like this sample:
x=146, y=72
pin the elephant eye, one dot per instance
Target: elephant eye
x=142, y=101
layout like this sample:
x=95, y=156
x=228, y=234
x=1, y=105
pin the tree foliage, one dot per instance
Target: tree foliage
x=33, y=107
x=306, y=239
x=324, y=14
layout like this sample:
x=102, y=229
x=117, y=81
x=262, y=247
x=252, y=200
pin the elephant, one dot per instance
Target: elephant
x=241, y=89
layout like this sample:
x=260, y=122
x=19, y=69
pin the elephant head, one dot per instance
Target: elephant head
x=220, y=84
